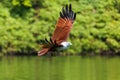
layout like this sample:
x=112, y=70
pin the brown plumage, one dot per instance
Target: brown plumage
x=62, y=30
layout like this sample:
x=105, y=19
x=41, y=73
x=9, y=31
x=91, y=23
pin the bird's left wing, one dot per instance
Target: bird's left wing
x=64, y=24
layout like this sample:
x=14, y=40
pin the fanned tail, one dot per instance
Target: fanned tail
x=43, y=51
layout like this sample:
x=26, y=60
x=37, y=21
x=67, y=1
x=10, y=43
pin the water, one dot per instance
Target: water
x=59, y=68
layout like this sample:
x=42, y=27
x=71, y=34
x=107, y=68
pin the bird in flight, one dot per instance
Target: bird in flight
x=58, y=41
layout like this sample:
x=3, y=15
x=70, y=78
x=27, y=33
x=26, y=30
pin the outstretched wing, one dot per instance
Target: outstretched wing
x=64, y=24
x=49, y=43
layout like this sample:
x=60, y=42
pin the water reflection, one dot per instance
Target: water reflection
x=59, y=68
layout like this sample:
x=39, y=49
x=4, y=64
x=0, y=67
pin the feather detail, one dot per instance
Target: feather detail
x=64, y=24
x=43, y=51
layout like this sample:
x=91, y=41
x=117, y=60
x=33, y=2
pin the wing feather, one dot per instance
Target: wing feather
x=64, y=24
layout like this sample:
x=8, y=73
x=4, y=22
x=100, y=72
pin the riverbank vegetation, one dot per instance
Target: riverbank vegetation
x=23, y=23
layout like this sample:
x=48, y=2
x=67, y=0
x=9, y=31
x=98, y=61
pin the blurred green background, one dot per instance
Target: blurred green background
x=23, y=23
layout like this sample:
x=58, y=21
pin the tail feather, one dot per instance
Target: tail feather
x=43, y=51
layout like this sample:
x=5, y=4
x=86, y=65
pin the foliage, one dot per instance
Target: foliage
x=25, y=22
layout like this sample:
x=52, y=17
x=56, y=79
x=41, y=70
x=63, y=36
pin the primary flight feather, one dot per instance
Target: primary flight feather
x=58, y=41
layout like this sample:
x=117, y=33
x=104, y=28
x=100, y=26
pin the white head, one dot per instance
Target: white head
x=66, y=44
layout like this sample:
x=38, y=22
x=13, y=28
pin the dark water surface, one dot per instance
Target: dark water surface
x=59, y=68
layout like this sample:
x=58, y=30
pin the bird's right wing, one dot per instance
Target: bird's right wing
x=64, y=24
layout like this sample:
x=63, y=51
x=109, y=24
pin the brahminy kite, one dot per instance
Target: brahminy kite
x=58, y=41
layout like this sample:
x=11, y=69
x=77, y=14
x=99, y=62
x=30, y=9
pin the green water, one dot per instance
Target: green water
x=60, y=68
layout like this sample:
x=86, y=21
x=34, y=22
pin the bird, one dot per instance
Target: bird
x=58, y=41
